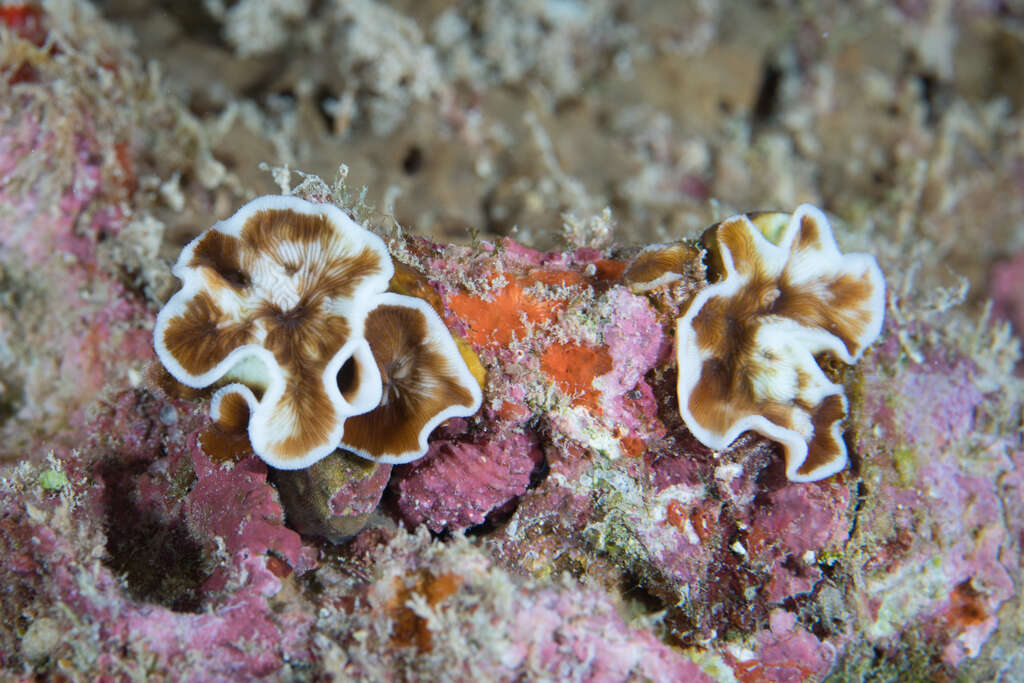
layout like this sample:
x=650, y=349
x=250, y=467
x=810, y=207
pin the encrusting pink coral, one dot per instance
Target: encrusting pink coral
x=460, y=483
x=1006, y=287
x=960, y=552
x=279, y=306
x=750, y=346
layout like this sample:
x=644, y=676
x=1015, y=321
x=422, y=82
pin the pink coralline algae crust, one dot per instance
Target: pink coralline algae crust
x=952, y=574
x=79, y=328
x=202, y=550
x=1012, y=482
x=41, y=233
x=623, y=404
x=555, y=506
x=88, y=209
x=627, y=484
x=591, y=498
x=1007, y=291
x=685, y=531
x=720, y=541
x=457, y=484
x=92, y=330
x=578, y=636
x=362, y=496
x=635, y=342
x=786, y=653
x=791, y=527
x=237, y=505
x=448, y=608
x=700, y=519
x=106, y=337
x=526, y=328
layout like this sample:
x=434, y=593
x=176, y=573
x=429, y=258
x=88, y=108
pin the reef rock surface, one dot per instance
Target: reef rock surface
x=573, y=529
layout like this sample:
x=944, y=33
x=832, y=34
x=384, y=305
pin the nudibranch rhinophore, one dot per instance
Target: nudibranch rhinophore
x=284, y=307
x=750, y=345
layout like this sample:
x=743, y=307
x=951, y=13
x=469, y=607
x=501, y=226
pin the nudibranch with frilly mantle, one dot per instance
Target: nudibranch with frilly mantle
x=284, y=307
x=750, y=345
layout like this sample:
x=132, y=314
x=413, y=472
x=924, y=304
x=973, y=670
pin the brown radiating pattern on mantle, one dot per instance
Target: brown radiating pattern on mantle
x=750, y=345
x=270, y=278
x=204, y=335
x=418, y=379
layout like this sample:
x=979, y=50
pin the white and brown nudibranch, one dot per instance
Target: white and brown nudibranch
x=283, y=307
x=751, y=345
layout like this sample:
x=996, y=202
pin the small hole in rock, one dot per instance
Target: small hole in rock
x=324, y=100
x=767, y=101
x=413, y=160
x=933, y=95
x=539, y=473
x=494, y=519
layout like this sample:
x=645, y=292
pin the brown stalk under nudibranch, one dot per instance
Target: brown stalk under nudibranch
x=273, y=308
x=749, y=346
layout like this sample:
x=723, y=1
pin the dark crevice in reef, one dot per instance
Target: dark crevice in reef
x=771, y=478
x=323, y=97
x=11, y=400
x=935, y=96
x=862, y=494
x=412, y=163
x=663, y=383
x=851, y=453
x=910, y=658
x=388, y=504
x=674, y=627
x=159, y=561
x=495, y=519
x=196, y=21
x=540, y=471
x=766, y=104
x=736, y=608
x=725, y=590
